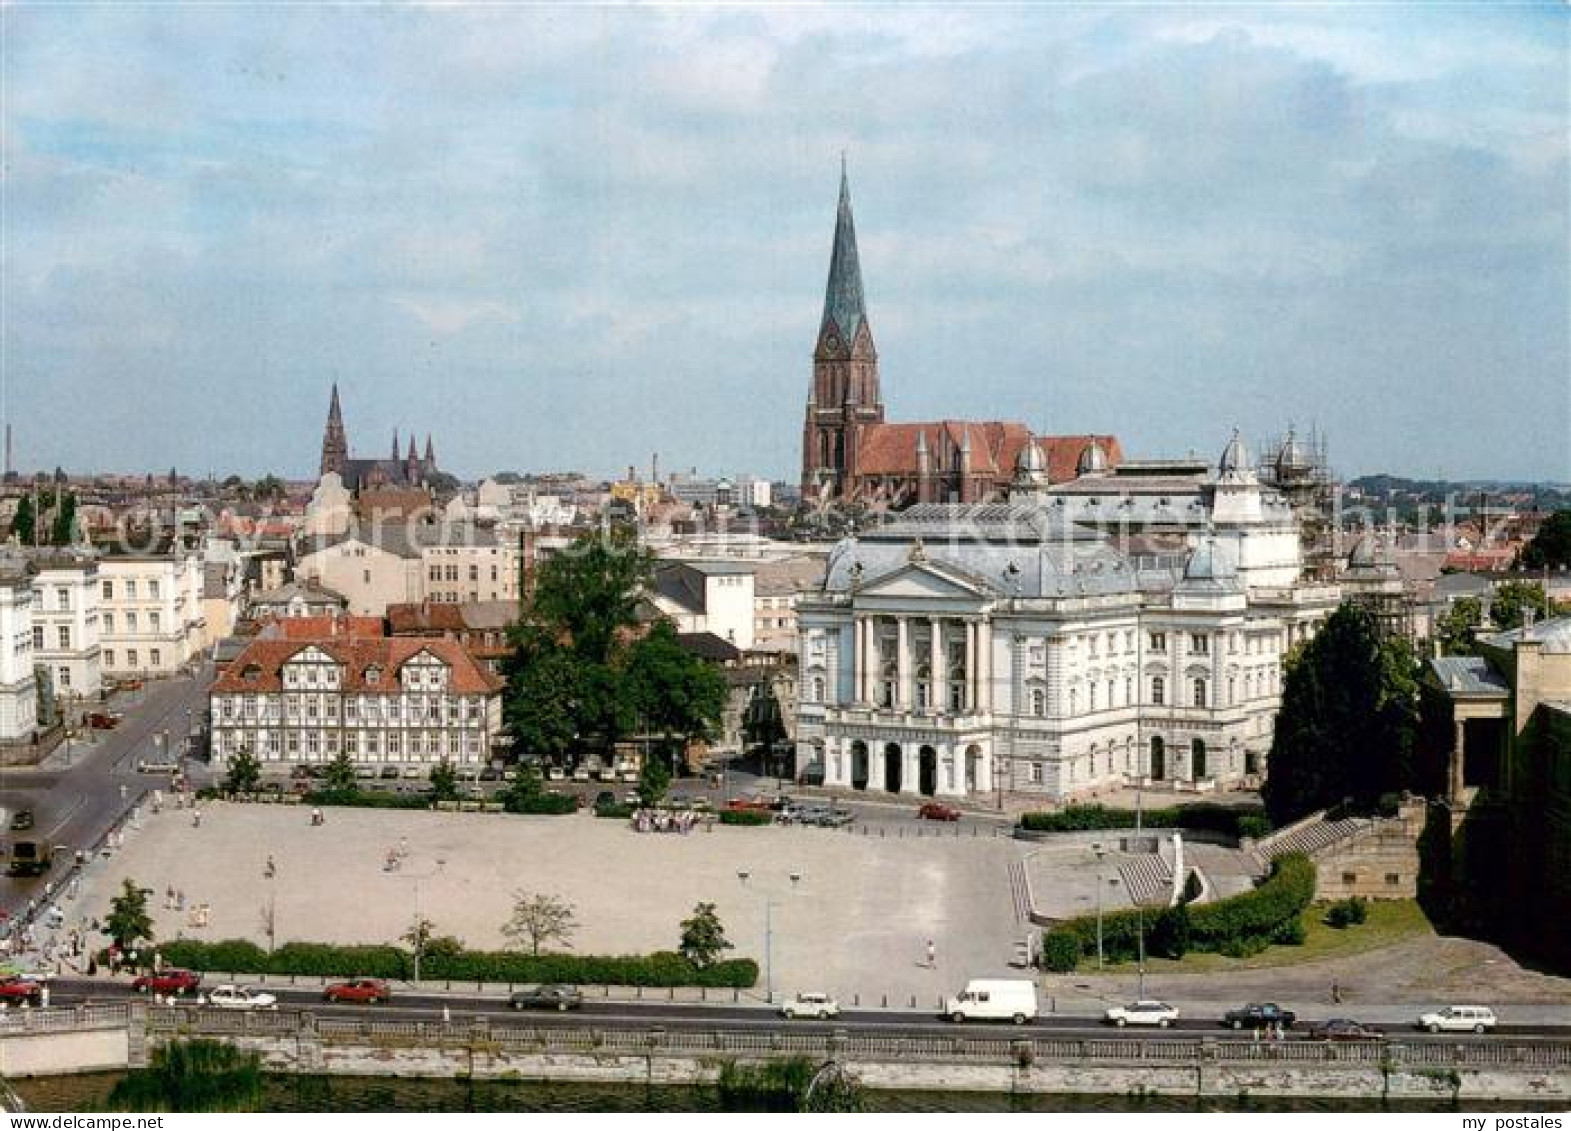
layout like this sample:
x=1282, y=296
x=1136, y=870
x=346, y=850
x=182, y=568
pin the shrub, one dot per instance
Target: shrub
x=663, y=968
x=355, y=799
x=1290, y=933
x=1171, y=933
x=615, y=812
x=553, y=804
x=1347, y=913
x=1229, y=820
x=1357, y=910
x=745, y=817
x=1060, y=952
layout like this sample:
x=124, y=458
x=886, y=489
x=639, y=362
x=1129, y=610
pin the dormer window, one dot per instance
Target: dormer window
x=251, y=673
x=373, y=675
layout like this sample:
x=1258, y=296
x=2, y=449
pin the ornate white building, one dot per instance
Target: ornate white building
x=18, y=686
x=1122, y=627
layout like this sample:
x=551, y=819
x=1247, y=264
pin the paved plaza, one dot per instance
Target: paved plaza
x=857, y=922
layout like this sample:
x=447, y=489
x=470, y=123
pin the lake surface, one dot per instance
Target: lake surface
x=374, y=1093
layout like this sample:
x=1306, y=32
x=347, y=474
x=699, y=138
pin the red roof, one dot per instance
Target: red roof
x=438, y=616
x=324, y=627
x=356, y=654
x=891, y=449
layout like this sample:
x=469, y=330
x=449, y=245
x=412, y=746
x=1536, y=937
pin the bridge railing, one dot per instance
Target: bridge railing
x=1001, y=1045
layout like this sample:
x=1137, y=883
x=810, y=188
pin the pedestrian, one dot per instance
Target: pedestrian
x=123, y=791
x=932, y=955
x=196, y=818
x=1336, y=992
x=271, y=869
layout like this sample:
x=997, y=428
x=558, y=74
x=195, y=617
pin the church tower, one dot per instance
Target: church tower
x=335, y=444
x=844, y=397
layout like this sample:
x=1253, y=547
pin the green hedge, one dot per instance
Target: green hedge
x=1228, y=926
x=359, y=799
x=1060, y=952
x=745, y=817
x=550, y=803
x=1234, y=821
x=615, y=812
x=663, y=968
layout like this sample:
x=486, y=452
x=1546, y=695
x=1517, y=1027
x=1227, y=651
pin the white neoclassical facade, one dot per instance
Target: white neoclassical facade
x=18, y=685
x=1038, y=646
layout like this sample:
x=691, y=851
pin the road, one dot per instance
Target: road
x=80, y=794
x=413, y=1005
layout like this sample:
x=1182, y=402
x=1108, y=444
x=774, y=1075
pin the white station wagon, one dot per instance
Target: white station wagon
x=240, y=997
x=1157, y=1013
x=1458, y=1019
x=818, y=1005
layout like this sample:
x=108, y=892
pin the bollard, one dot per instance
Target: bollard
x=913, y=1001
x=856, y=1001
x=885, y=1001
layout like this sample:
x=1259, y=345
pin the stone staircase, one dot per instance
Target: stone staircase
x=1310, y=836
x=1148, y=880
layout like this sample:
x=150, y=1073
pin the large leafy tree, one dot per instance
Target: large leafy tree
x=1513, y=599
x=1551, y=546
x=672, y=692
x=128, y=922
x=1457, y=627
x=703, y=936
x=244, y=772
x=540, y=918
x=1348, y=718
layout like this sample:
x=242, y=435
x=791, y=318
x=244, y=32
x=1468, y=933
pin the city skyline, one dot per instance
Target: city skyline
x=574, y=238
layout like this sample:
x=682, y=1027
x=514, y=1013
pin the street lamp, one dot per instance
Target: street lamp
x=419, y=932
x=1101, y=853
x=769, y=936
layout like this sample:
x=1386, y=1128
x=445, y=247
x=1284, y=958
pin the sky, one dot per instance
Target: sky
x=574, y=237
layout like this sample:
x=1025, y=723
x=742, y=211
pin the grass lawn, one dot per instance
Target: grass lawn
x=1389, y=921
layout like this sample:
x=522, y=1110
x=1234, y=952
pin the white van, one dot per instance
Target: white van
x=994, y=999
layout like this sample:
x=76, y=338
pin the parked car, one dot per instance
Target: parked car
x=370, y=991
x=365, y=772
x=1157, y=1013
x=810, y=1004
x=19, y=989
x=631, y=797
x=1458, y=1019
x=104, y=720
x=835, y=818
x=560, y=998
x=170, y=981
x=228, y=996
x=556, y=773
x=581, y=773
x=491, y=773
x=936, y=811
x=414, y=773
x=1259, y=1015
x=748, y=805
x=21, y=820
x=1344, y=1029
x=152, y=766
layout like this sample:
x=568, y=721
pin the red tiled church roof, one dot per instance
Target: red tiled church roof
x=355, y=655
x=891, y=449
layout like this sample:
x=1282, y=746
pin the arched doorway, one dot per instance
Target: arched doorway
x=973, y=767
x=859, y=765
x=927, y=771
x=1158, y=758
x=893, y=757
x=1197, y=759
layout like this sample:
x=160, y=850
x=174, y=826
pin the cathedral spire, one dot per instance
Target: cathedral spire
x=430, y=454
x=335, y=443
x=397, y=455
x=845, y=311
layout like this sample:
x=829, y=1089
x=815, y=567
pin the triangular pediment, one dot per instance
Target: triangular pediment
x=922, y=580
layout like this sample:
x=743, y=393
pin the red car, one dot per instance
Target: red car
x=171, y=981
x=933, y=811
x=14, y=989
x=749, y=805
x=360, y=990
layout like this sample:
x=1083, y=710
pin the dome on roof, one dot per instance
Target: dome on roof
x=1365, y=553
x=1235, y=457
x=1292, y=456
x=1030, y=458
x=1093, y=461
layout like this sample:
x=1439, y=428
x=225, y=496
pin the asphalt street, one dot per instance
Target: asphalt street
x=81, y=793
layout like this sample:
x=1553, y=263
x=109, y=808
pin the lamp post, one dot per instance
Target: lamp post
x=1101, y=852
x=419, y=927
x=769, y=935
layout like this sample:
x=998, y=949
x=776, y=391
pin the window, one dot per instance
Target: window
x=816, y=695
x=65, y=636
x=1036, y=773
x=130, y=622
x=1038, y=702
x=63, y=600
x=109, y=622
x=1200, y=693
x=1093, y=694
x=366, y=577
x=109, y=658
x=130, y=658
x=1349, y=877
x=65, y=677
x=1159, y=642
x=156, y=658
x=1199, y=644
x=1158, y=690
x=1393, y=879
x=152, y=590
x=109, y=590
x=153, y=621
x=38, y=637
x=130, y=589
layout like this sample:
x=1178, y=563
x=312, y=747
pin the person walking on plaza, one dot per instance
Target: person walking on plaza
x=932, y=955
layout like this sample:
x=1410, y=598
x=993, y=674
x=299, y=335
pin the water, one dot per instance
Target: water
x=375, y=1093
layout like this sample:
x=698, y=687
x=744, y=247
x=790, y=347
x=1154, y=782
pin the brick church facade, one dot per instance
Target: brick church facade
x=398, y=471
x=851, y=454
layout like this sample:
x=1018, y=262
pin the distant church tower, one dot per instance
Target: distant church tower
x=844, y=397
x=335, y=444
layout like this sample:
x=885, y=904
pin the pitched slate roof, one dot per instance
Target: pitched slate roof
x=355, y=655
x=1468, y=675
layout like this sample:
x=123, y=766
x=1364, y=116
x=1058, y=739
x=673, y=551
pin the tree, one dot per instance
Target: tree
x=192, y=1075
x=23, y=522
x=128, y=921
x=1346, y=727
x=444, y=781
x=524, y=786
x=546, y=692
x=244, y=772
x=1513, y=599
x=654, y=779
x=1170, y=934
x=669, y=690
x=590, y=592
x=1551, y=546
x=418, y=936
x=1458, y=627
x=703, y=937
x=341, y=774
x=63, y=531
x=540, y=919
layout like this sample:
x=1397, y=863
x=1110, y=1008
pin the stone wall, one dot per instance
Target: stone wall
x=1382, y=863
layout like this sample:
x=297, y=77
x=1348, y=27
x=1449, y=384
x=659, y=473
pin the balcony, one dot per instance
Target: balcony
x=904, y=717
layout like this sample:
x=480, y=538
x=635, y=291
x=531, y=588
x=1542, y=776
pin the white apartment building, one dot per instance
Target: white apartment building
x=66, y=624
x=150, y=612
x=707, y=596
x=479, y=565
x=18, y=685
x=385, y=701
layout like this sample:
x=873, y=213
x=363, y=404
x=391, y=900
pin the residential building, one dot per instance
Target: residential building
x=297, y=599
x=66, y=623
x=373, y=568
x=383, y=701
x=477, y=566
x=18, y=683
x=706, y=596
x=480, y=626
x=150, y=612
x=777, y=586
